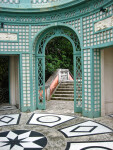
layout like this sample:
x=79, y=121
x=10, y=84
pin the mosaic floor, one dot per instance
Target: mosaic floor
x=111, y=115
x=85, y=129
x=49, y=120
x=32, y=140
x=90, y=146
x=22, y=140
x=3, y=108
x=12, y=119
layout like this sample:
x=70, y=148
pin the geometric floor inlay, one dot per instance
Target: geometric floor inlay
x=111, y=115
x=12, y=119
x=3, y=108
x=49, y=120
x=84, y=129
x=108, y=145
x=22, y=140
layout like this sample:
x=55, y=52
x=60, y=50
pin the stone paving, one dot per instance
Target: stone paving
x=58, y=126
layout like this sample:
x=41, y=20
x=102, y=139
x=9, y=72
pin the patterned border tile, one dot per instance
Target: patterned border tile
x=11, y=119
x=104, y=145
x=85, y=129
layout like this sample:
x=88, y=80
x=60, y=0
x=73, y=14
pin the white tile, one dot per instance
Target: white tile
x=16, y=147
x=11, y=135
x=11, y=119
x=6, y=119
x=85, y=128
x=48, y=119
x=32, y=139
x=90, y=145
x=30, y=145
x=24, y=135
x=5, y=147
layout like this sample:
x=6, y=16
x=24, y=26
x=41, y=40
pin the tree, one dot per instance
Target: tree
x=59, y=54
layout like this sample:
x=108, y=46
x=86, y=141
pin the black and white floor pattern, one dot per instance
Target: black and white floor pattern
x=85, y=129
x=22, y=140
x=111, y=115
x=49, y=120
x=12, y=119
x=3, y=108
x=108, y=145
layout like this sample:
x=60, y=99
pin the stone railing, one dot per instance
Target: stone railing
x=58, y=76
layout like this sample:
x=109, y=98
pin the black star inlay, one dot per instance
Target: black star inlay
x=12, y=142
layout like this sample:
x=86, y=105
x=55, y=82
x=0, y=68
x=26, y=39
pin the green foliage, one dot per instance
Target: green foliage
x=59, y=54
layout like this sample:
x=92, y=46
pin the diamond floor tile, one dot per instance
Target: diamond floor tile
x=12, y=119
x=84, y=129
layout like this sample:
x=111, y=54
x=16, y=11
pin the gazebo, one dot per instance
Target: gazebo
x=26, y=26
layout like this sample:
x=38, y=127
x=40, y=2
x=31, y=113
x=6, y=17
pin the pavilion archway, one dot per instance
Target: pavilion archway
x=40, y=43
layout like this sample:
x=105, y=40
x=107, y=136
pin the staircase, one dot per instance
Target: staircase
x=64, y=91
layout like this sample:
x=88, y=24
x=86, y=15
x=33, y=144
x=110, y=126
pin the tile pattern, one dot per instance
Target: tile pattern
x=12, y=119
x=111, y=115
x=49, y=120
x=85, y=129
x=22, y=140
x=3, y=108
x=107, y=145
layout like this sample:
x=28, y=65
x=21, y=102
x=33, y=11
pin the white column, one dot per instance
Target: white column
x=12, y=80
x=102, y=85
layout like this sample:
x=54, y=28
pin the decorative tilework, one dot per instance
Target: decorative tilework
x=22, y=140
x=3, y=108
x=85, y=129
x=111, y=115
x=12, y=119
x=49, y=120
x=100, y=145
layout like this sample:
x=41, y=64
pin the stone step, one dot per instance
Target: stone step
x=66, y=86
x=64, y=92
x=63, y=98
x=68, y=81
x=68, y=89
x=63, y=95
x=65, y=89
x=64, y=83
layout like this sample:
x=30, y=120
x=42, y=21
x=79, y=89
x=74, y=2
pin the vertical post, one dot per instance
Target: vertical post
x=102, y=85
x=40, y=82
x=77, y=82
x=21, y=84
x=92, y=83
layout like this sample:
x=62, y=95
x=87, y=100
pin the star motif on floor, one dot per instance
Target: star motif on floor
x=22, y=140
